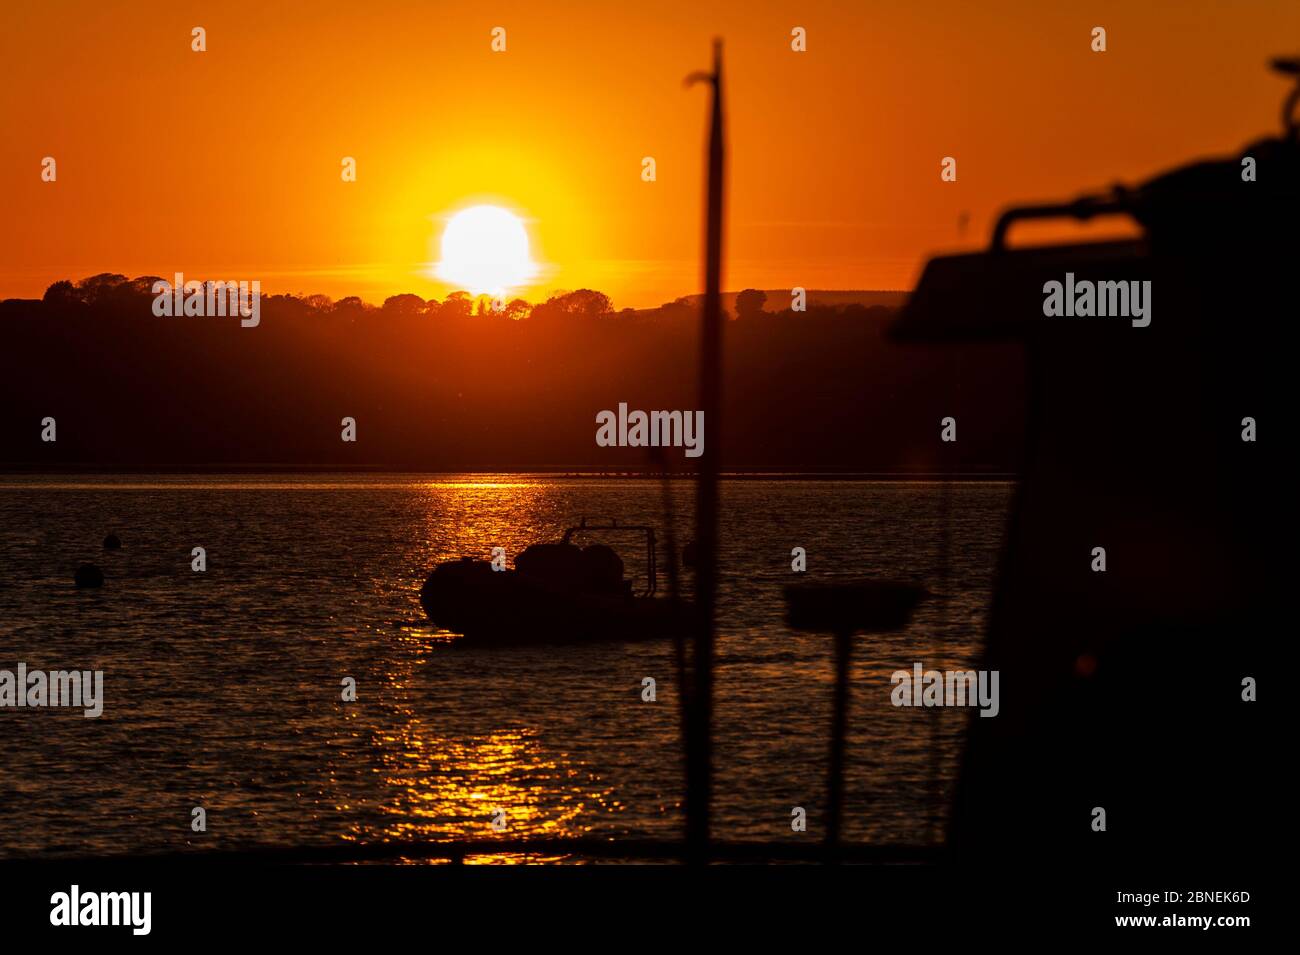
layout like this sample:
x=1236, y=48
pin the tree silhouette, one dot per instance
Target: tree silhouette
x=457, y=305
x=583, y=302
x=404, y=304
x=517, y=309
x=750, y=302
x=61, y=292
x=352, y=303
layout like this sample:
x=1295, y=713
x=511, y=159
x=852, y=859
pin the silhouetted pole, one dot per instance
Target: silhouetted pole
x=839, y=725
x=843, y=608
x=699, y=742
x=936, y=718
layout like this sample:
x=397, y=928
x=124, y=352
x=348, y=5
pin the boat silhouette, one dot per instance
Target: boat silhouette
x=557, y=593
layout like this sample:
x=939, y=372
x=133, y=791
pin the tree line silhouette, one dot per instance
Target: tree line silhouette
x=110, y=290
x=468, y=384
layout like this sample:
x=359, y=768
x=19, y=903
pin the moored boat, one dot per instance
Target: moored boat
x=556, y=593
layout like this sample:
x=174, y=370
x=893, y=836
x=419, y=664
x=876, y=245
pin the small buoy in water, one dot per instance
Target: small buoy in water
x=112, y=542
x=88, y=575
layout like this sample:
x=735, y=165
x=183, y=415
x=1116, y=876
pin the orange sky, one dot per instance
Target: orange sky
x=225, y=164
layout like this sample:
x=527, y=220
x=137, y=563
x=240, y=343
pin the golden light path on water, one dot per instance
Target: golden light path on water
x=503, y=784
x=235, y=674
x=443, y=788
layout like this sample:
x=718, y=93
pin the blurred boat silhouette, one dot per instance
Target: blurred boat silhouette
x=557, y=593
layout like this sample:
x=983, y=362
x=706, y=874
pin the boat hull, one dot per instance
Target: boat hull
x=505, y=608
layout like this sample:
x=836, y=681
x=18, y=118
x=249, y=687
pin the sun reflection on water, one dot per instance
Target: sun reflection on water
x=440, y=788
x=433, y=781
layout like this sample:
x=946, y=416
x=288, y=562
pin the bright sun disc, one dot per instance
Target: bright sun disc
x=485, y=251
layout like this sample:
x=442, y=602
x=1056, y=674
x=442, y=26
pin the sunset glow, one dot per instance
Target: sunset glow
x=634, y=446
x=824, y=196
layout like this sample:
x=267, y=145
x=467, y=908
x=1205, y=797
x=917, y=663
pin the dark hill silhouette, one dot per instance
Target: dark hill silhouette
x=453, y=386
x=836, y=298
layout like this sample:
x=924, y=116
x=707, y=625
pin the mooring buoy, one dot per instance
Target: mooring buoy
x=88, y=575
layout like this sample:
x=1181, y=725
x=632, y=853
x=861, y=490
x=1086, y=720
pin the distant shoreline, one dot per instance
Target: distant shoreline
x=576, y=474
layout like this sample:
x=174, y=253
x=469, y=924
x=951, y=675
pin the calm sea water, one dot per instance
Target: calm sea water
x=223, y=688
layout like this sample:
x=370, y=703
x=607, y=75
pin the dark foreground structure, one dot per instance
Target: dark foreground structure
x=1128, y=689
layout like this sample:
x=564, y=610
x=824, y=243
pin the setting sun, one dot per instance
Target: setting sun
x=485, y=250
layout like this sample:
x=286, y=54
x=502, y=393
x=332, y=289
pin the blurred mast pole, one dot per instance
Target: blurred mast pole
x=699, y=741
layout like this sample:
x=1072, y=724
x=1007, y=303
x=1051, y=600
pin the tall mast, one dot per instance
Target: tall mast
x=699, y=741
